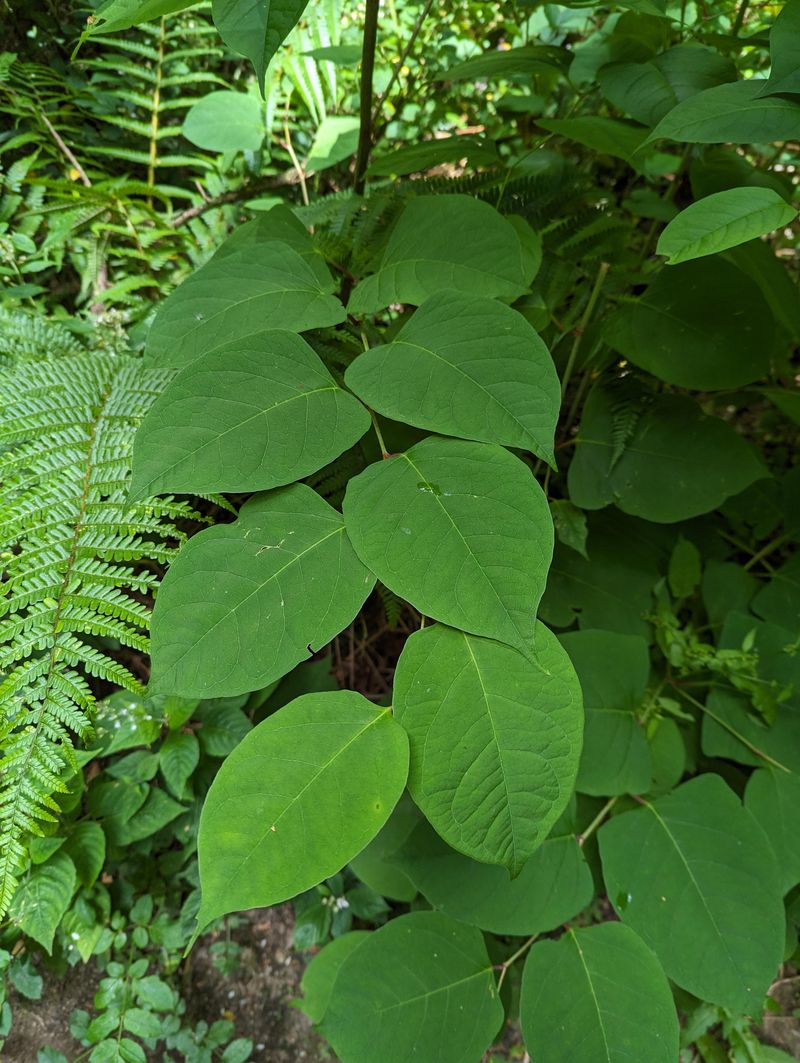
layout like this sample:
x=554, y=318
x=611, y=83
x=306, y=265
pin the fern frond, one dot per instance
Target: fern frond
x=76, y=558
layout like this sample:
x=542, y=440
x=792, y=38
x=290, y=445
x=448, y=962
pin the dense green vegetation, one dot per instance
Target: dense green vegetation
x=400, y=517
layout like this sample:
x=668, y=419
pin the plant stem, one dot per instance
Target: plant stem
x=765, y=551
x=732, y=730
x=738, y=21
x=155, y=110
x=398, y=66
x=376, y=426
x=598, y=819
x=512, y=959
x=579, y=331
x=367, y=70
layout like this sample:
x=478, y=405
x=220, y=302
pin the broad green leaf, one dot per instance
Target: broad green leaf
x=735, y=113
x=86, y=848
x=267, y=275
x=243, y=603
x=510, y=63
x=116, y=15
x=668, y=435
x=607, y=136
x=788, y=402
x=726, y=588
x=612, y=589
x=377, y=864
x=597, y=995
x=773, y=798
x=43, y=898
x=553, y=886
x=336, y=139
x=177, y=758
x=461, y=530
x=495, y=739
x=254, y=414
x=321, y=973
x=694, y=875
x=256, y=28
x=450, y=242
x=425, y=154
x=466, y=367
x=225, y=121
x=339, y=54
x=681, y=336
x=298, y=797
x=668, y=755
x=784, y=51
x=422, y=987
x=723, y=220
x=613, y=670
x=647, y=91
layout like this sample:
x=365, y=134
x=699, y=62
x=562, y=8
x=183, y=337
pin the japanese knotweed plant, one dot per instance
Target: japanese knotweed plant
x=543, y=771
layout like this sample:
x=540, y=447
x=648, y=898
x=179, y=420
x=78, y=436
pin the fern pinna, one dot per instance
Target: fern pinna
x=76, y=559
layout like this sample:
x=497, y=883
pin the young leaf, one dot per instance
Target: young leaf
x=723, y=220
x=243, y=603
x=613, y=670
x=597, y=995
x=685, y=568
x=773, y=798
x=256, y=28
x=422, y=988
x=461, y=530
x=377, y=865
x=553, y=886
x=466, y=367
x=254, y=414
x=336, y=140
x=675, y=332
x=668, y=436
x=41, y=901
x=266, y=275
x=178, y=757
x=495, y=739
x=86, y=847
x=300, y=795
x=450, y=242
x=694, y=875
x=734, y=113
x=225, y=121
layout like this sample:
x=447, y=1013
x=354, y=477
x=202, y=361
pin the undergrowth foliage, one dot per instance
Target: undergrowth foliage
x=81, y=566
x=529, y=399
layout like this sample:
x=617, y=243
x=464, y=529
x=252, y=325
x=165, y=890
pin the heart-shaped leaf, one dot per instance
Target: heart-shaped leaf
x=461, y=530
x=694, y=875
x=300, y=795
x=495, y=739
x=243, y=603
x=396, y=995
x=466, y=367
x=254, y=414
x=597, y=995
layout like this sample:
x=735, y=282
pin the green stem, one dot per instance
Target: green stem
x=579, y=331
x=367, y=71
x=598, y=819
x=771, y=546
x=378, y=433
x=512, y=959
x=732, y=730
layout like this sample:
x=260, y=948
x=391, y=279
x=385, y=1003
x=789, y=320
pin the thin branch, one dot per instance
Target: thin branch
x=398, y=66
x=235, y=195
x=367, y=71
x=64, y=149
